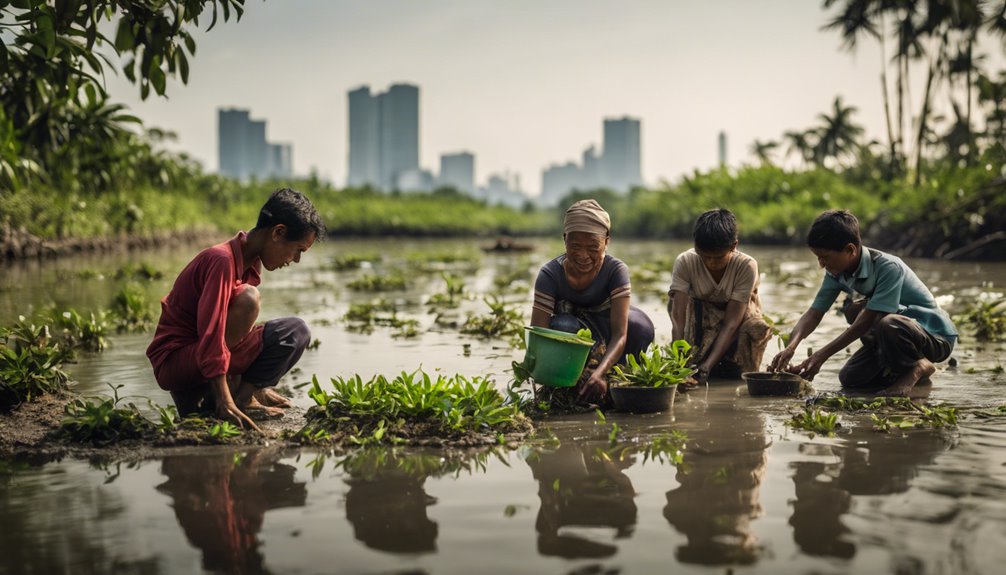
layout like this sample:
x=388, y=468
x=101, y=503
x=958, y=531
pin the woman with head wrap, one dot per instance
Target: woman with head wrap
x=585, y=287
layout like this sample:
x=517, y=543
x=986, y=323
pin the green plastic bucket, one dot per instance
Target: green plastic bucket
x=555, y=358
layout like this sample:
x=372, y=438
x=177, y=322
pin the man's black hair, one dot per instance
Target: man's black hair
x=715, y=230
x=833, y=230
x=292, y=209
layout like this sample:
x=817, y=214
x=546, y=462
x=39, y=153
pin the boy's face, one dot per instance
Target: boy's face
x=838, y=262
x=716, y=260
x=280, y=252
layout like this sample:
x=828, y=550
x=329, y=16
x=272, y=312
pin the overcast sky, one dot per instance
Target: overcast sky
x=524, y=83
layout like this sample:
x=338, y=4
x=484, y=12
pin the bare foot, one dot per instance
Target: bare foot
x=902, y=386
x=270, y=398
x=259, y=411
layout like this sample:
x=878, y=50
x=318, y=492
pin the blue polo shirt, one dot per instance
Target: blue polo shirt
x=891, y=287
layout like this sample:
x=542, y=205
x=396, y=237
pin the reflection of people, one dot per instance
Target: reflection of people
x=713, y=300
x=388, y=510
x=220, y=503
x=718, y=496
x=824, y=491
x=903, y=329
x=577, y=490
x=585, y=287
x=207, y=351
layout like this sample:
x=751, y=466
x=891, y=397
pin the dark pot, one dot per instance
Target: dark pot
x=769, y=383
x=642, y=399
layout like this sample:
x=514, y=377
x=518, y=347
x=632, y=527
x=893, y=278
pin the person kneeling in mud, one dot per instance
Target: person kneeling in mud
x=713, y=300
x=902, y=328
x=207, y=350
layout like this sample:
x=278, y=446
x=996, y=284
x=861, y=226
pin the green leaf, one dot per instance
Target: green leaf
x=125, y=41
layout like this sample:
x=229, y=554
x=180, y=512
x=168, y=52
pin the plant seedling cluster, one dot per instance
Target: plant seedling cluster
x=659, y=366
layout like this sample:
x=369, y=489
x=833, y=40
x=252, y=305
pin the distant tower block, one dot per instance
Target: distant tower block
x=723, y=149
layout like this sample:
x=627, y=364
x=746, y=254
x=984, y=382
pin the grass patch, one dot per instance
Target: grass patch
x=31, y=363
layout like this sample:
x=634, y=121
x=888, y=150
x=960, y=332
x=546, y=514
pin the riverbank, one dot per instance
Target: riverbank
x=18, y=244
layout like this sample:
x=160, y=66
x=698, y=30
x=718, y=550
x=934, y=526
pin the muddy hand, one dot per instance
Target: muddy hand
x=781, y=360
x=230, y=412
x=593, y=389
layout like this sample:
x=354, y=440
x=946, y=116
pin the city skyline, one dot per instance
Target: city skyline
x=521, y=84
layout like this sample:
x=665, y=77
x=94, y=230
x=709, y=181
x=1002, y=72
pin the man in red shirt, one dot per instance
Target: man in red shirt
x=207, y=350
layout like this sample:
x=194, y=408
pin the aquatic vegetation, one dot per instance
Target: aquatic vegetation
x=847, y=403
x=31, y=363
x=987, y=319
x=362, y=317
x=409, y=406
x=142, y=271
x=88, y=332
x=816, y=421
x=223, y=431
x=513, y=280
x=502, y=321
x=433, y=260
x=452, y=295
x=886, y=424
x=659, y=366
x=888, y=413
x=132, y=309
x=353, y=261
x=368, y=282
x=103, y=421
x=666, y=448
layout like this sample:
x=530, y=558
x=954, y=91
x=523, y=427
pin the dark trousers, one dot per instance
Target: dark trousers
x=639, y=331
x=283, y=342
x=891, y=347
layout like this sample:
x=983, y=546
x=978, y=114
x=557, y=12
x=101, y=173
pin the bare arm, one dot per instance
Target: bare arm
x=539, y=318
x=597, y=385
x=678, y=310
x=806, y=325
x=864, y=321
x=731, y=321
x=227, y=410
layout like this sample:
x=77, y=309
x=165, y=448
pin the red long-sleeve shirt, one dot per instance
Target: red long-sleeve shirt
x=195, y=312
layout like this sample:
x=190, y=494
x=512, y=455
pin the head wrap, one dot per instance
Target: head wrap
x=586, y=216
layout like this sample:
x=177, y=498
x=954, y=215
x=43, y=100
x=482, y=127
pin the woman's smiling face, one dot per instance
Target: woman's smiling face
x=585, y=251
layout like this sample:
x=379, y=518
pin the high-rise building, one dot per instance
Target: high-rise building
x=364, y=140
x=280, y=164
x=458, y=171
x=723, y=149
x=383, y=135
x=231, y=143
x=621, y=161
x=244, y=153
x=557, y=181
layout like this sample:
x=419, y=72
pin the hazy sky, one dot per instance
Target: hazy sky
x=524, y=83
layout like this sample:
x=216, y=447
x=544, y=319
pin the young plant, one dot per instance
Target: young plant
x=368, y=282
x=987, y=318
x=222, y=431
x=101, y=420
x=660, y=366
x=503, y=320
x=132, y=309
x=31, y=364
x=88, y=332
x=816, y=421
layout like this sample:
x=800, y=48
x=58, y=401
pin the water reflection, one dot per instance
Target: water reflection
x=580, y=493
x=881, y=465
x=221, y=500
x=723, y=469
x=386, y=502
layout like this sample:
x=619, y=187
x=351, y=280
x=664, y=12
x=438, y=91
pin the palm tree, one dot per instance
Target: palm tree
x=838, y=136
x=763, y=151
x=802, y=144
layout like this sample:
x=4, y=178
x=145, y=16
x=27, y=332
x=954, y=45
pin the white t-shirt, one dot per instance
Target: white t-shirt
x=739, y=281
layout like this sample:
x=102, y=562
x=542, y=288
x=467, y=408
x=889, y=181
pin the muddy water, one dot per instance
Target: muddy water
x=749, y=494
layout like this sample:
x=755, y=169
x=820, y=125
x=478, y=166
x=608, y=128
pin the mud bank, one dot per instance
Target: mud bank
x=16, y=244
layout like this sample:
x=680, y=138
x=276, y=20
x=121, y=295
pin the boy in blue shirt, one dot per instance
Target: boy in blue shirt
x=902, y=328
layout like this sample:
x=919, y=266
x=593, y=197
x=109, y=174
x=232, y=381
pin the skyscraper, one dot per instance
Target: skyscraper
x=232, y=142
x=723, y=149
x=621, y=160
x=383, y=135
x=364, y=141
x=458, y=171
x=244, y=153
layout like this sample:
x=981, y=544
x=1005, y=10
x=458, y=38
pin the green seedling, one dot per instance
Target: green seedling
x=585, y=334
x=102, y=421
x=78, y=331
x=660, y=366
x=886, y=424
x=816, y=421
x=502, y=321
x=986, y=318
x=352, y=261
x=142, y=271
x=394, y=281
x=131, y=308
x=223, y=431
x=31, y=363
